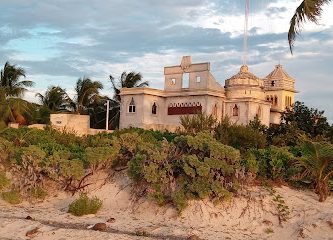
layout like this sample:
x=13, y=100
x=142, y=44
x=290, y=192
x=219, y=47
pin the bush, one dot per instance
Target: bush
x=193, y=124
x=37, y=193
x=85, y=205
x=271, y=163
x=4, y=181
x=192, y=167
x=239, y=136
x=12, y=197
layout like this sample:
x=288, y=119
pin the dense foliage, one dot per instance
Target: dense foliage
x=171, y=167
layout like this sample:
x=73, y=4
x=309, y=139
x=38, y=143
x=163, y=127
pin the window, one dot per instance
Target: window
x=186, y=80
x=235, y=111
x=131, y=107
x=275, y=101
x=173, y=81
x=154, y=109
x=198, y=79
x=259, y=112
x=273, y=83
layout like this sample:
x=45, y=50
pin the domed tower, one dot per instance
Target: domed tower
x=280, y=92
x=244, y=84
x=246, y=98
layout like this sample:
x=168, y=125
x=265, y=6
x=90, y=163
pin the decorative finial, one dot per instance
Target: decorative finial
x=244, y=69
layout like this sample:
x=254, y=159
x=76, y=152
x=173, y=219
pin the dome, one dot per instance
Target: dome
x=279, y=79
x=243, y=77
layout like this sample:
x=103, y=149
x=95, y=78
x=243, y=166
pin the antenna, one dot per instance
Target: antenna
x=245, y=46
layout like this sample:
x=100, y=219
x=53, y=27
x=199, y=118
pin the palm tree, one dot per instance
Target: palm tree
x=55, y=98
x=126, y=80
x=12, y=107
x=317, y=161
x=87, y=92
x=308, y=10
x=10, y=80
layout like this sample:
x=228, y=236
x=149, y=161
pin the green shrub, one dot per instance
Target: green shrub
x=239, y=136
x=193, y=124
x=12, y=197
x=191, y=167
x=85, y=205
x=4, y=181
x=273, y=162
x=37, y=193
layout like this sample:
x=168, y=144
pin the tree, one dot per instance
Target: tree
x=87, y=92
x=126, y=80
x=55, y=98
x=10, y=81
x=317, y=161
x=12, y=107
x=310, y=120
x=308, y=10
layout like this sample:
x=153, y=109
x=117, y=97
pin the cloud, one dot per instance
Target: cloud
x=59, y=41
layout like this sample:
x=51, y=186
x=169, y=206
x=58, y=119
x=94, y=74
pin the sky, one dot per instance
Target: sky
x=59, y=41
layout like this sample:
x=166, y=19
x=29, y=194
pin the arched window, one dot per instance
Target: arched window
x=259, y=112
x=235, y=111
x=131, y=107
x=275, y=101
x=154, y=109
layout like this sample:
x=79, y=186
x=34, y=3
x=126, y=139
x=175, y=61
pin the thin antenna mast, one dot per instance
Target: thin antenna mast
x=245, y=46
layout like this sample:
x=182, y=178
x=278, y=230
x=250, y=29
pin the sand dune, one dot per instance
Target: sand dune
x=253, y=215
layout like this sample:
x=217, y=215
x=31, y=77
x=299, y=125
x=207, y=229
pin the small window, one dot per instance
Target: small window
x=273, y=83
x=275, y=101
x=198, y=79
x=235, y=111
x=259, y=112
x=131, y=107
x=154, y=109
x=173, y=81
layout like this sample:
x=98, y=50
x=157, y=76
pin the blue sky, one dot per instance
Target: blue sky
x=59, y=41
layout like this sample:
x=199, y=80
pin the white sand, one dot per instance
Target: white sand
x=253, y=217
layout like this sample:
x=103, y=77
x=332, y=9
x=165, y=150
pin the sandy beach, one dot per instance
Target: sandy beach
x=251, y=216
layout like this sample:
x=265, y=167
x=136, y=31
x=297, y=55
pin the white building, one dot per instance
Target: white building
x=191, y=88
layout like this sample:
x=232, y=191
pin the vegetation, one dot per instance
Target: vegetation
x=13, y=196
x=4, y=181
x=85, y=205
x=12, y=108
x=55, y=99
x=173, y=168
x=308, y=10
x=317, y=162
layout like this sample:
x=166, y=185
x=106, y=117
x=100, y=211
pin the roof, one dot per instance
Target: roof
x=279, y=74
x=244, y=74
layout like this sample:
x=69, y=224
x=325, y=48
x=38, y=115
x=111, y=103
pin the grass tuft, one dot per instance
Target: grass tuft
x=85, y=205
x=12, y=197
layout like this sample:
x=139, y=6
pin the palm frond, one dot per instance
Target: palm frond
x=308, y=10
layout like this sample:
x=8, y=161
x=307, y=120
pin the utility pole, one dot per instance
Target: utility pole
x=107, y=114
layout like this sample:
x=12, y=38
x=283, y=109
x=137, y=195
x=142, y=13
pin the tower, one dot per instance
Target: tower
x=280, y=91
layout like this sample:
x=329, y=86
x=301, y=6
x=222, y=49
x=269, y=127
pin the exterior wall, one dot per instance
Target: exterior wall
x=128, y=119
x=80, y=124
x=281, y=105
x=247, y=111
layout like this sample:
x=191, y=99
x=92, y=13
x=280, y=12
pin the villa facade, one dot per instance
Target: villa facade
x=191, y=88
